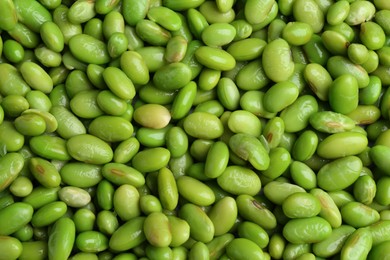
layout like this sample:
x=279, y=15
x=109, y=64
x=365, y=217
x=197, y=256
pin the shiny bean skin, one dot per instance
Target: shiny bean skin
x=194, y=129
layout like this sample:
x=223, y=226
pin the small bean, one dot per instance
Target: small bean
x=201, y=226
x=11, y=247
x=74, y=196
x=329, y=210
x=357, y=245
x=307, y=230
x=61, y=239
x=251, y=209
x=244, y=248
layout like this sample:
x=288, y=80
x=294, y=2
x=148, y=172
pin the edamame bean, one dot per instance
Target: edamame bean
x=10, y=165
x=339, y=65
x=74, y=196
x=165, y=17
x=21, y=186
x=201, y=226
x=297, y=33
x=61, y=239
x=218, y=34
x=103, y=6
x=118, y=82
x=277, y=61
x=150, y=204
x=57, y=149
x=119, y=174
x=52, y=36
x=280, y=160
x=252, y=77
x=91, y=241
x=126, y=150
x=358, y=215
x=133, y=64
x=68, y=124
x=272, y=97
x=172, y=76
x=117, y=44
x=150, y=94
x=242, y=121
x=215, y=58
x=203, y=125
x=32, y=14
x=195, y=191
x=44, y=172
x=180, y=230
x=244, y=248
x=314, y=17
x=167, y=189
x=273, y=191
x=80, y=12
x=41, y=196
x=79, y=147
x=250, y=148
x=150, y=137
x=32, y=125
x=134, y=11
x=13, y=51
x=15, y=216
x=151, y=159
x=120, y=239
x=301, y=205
x=250, y=183
x=171, y=108
x=349, y=143
x=129, y=210
x=107, y=222
x=331, y=122
x=152, y=33
x=307, y=230
x=251, y=209
x=296, y=116
x=344, y=100
x=364, y=189
x=176, y=49
x=34, y=249
x=334, y=243
x=88, y=49
x=8, y=15
x=329, y=210
x=36, y=77
x=254, y=233
x=358, y=244
x=103, y=128
x=38, y=100
x=84, y=220
x=90, y=96
x=156, y=229
x=152, y=116
x=329, y=173
x=48, y=214
x=382, y=195
x=303, y=175
x=11, y=247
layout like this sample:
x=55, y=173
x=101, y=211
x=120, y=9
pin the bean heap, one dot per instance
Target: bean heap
x=194, y=129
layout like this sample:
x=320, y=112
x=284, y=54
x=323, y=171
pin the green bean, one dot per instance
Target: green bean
x=357, y=245
x=204, y=129
x=84, y=220
x=61, y=239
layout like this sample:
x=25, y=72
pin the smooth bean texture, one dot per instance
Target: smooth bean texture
x=194, y=129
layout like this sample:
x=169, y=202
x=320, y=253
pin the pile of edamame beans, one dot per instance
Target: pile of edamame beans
x=194, y=129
